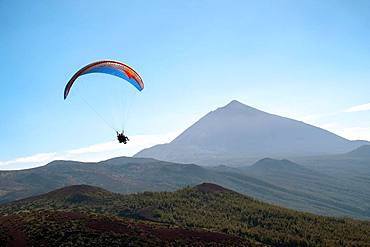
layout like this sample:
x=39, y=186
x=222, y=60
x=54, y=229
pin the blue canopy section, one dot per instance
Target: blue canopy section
x=115, y=72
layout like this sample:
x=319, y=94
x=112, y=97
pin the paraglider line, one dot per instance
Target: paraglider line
x=97, y=113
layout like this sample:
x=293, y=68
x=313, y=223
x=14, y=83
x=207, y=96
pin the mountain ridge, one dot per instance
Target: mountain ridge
x=237, y=132
x=131, y=175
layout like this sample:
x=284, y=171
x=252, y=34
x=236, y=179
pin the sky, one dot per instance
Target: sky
x=307, y=60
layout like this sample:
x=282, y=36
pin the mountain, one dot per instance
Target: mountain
x=280, y=170
x=290, y=185
x=238, y=134
x=351, y=169
x=122, y=175
x=126, y=175
x=204, y=215
x=268, y=164
x=318, y=187
x=353, y=166
x=361, y=152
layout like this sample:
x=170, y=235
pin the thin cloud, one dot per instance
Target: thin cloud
x=357, y=108
x=96, y=152
x=351, y=133
x=41, y=157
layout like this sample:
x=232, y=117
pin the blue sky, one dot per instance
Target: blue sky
x=309, y=60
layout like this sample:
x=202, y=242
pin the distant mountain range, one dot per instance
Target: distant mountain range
x=351, y=169
x=204, y=215
x=325, y=174
x=281, y=182
x=338, y=186
x=239, y=134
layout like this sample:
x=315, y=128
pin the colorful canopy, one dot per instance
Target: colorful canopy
x=108, y=67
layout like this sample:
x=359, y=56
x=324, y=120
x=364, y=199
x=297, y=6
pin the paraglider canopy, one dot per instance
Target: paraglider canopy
x=108, y=67
x=114, y=68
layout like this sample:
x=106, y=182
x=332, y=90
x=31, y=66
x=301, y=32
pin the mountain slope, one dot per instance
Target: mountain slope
x=351, y=169
x=325, y=188
x=360, y=152
x=277, y=170
x=237, y=131
x=124, y=175
x=205, y=214
x=119, y=175
x=307, y=191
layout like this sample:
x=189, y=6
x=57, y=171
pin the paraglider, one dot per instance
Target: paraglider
x=122, y=138
x=114, y=68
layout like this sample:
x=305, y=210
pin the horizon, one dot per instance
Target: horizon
x=307, y=61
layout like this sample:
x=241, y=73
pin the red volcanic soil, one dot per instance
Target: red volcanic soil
x=162, y=232
x=148, y=232
x=73, y=190
x=11, y=225
x=81, y=189
x=210, y=188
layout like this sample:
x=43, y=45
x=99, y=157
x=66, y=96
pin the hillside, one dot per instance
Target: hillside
x=202, y=215
x=79, y=229
x=237, y=133
x=360, y=152
x=301, y=189
x=122, y=175
x=284, y=171
x=346, y=194
x=351, y=169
